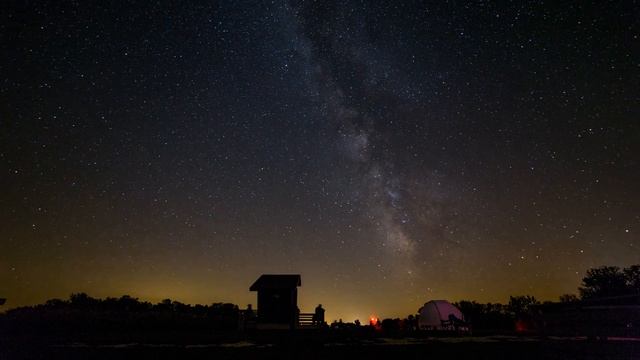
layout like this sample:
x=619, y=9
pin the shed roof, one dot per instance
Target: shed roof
x=271, y=281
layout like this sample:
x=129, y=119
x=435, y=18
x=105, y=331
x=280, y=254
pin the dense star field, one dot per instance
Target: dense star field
x=390, y=153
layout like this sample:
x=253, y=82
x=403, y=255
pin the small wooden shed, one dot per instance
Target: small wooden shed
x=277, y=301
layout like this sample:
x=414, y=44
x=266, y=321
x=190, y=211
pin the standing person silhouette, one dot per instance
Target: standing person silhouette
x=318, y=316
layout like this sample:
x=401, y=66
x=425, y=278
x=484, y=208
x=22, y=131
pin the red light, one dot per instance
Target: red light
x=521, y=326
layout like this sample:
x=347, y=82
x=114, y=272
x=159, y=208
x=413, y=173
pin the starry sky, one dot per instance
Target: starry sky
x=389, y=152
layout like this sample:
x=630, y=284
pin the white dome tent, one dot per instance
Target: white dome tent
x=441, y=315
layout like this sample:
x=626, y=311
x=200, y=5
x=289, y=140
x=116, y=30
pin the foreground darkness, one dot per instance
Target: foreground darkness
x=292, y=348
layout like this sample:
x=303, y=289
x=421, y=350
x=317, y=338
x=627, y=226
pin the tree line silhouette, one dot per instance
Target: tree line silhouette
x=85, y=318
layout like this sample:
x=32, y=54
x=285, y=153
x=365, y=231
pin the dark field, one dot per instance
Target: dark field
x=436, y=348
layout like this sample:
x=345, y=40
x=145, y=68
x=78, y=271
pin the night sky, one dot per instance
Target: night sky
x=391, y=153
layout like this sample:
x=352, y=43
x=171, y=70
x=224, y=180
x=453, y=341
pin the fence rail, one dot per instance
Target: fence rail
x=249, y=320
x=307, y=320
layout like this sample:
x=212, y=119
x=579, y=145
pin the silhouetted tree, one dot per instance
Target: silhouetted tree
x=391, y=327
x=569, y=298
x=411, y=323
x=224, y=315
x=521, y=304
x=632, y=278
x=55, y=303
x=180, y=307
x=164, y=305
x=604, y=281
x=82, y=300
x=487, y=317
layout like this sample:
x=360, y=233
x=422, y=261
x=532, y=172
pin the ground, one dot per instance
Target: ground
x=407, y=348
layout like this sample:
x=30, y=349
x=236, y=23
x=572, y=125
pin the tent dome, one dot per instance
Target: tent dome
x=435, y=312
